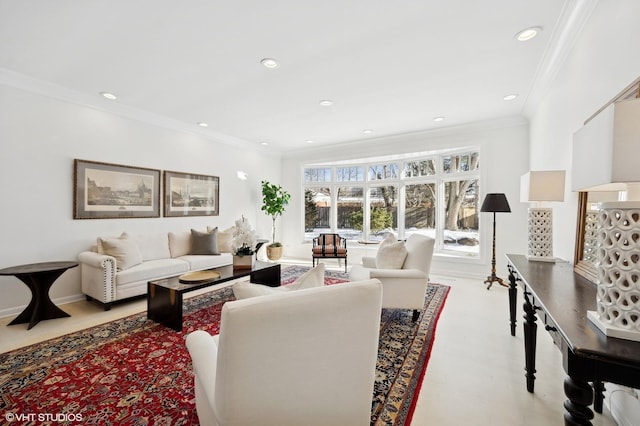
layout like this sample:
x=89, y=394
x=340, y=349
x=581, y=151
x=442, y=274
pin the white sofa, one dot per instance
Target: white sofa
x=119, y=268
x=305, y=357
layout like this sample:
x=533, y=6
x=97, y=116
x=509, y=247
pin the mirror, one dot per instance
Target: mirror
x=587, y=221
x=585, y=253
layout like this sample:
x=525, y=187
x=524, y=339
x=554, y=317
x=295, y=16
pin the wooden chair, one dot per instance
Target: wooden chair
x=329, y=246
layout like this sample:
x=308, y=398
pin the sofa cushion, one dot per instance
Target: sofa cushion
x=124, y=249
x=224, y=239
x=152, y=246
x=204, y=242
x=151, y=270
x=179, y=243
x=391, y=253
x=200, y=261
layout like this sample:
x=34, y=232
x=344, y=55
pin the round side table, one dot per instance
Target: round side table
x=39, y=277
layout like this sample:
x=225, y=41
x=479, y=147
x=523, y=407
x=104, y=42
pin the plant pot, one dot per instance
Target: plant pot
x=274, y=252
x=243, y=262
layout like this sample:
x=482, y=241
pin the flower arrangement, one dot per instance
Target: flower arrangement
x=243, y=239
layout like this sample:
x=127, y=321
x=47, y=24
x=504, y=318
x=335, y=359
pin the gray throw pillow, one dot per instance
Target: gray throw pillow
x=204, y=242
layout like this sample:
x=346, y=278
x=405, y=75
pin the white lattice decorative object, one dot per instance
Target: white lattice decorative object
x=618, y=264
x=540, y=235
x=590, y=236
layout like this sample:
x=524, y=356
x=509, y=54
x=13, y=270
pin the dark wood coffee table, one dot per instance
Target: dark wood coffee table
x=164, y=297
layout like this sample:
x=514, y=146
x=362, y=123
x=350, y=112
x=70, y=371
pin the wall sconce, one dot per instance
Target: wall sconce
x=541, y=186
x=242, y=175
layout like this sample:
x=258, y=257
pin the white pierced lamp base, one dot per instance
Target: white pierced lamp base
x=618, y=264
x=540, y=235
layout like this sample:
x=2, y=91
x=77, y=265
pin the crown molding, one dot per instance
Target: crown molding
x=65, y=94
x=568, y=29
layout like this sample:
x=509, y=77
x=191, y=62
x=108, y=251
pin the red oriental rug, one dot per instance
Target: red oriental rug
x=133, y=371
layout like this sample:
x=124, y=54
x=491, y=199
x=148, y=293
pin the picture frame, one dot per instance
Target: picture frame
x=188, y=194
x=114, y=191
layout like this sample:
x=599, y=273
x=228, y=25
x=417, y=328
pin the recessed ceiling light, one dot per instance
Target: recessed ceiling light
x=528, y=33
x=438, y=119
x=269, y=63
x=203, y=124
x=367, y=131
x=309, y=141
x=510, y=97
x=109, y=95
x=326, y=102
x=264, y=143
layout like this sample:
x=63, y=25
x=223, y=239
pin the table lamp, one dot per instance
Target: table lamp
x=495, y=203
x=541, y=186
x=605, y=155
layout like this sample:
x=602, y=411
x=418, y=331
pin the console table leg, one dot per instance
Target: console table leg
x=513, y=293
x=530, y=332
x=598, y=398
x=580, y=396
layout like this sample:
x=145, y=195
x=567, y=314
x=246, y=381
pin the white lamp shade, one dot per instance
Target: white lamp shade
x=607, y=148
x=547, y=185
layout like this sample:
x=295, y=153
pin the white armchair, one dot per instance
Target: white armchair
x=301, y=357
x=403, y=288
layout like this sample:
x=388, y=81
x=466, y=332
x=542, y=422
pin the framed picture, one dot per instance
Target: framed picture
x=187, y=194
x=113, y=191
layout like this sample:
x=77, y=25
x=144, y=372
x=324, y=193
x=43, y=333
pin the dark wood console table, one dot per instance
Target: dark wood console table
x=561, y=299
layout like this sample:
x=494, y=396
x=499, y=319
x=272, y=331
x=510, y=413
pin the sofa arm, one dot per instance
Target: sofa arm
x=397, y=273
x=203, y=349
x=98, y=275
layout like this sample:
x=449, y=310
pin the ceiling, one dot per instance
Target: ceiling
x=389, y=67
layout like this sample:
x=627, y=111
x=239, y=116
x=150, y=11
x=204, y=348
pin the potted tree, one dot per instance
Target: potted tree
x=274, y=202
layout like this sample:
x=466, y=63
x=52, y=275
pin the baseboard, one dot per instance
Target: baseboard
x=16, y=310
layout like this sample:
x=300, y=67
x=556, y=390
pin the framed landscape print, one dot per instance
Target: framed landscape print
x=190, y=195
x=113, y=191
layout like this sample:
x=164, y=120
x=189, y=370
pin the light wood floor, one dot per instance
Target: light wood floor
x=475, y=374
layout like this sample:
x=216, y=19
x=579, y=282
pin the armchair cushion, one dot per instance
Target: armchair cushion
x=391, y=253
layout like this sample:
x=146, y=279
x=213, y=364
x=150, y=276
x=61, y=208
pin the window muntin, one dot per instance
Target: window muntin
x=383, y=171
x=350, y=212
x=420, y=209
x=320, y=174
x=461, y=216
x=460, y=162
x=419, y=168
x=350, y=174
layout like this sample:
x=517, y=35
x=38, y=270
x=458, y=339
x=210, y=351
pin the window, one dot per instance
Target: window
x=433, y=194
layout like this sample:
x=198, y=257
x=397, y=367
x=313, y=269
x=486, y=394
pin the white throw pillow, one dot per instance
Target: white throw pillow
x=311, y=278
x=391, y=253
x=245, y=290
x=124, y=250
x=224, y=239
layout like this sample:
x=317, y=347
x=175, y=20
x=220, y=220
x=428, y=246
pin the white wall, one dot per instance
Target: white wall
x=503, y=159
x=597, y=69
x=39, y=139
x=601, y=65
